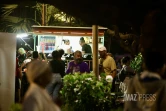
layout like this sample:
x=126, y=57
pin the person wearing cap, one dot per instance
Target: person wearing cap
x=23, y=68
x=22, y=55
x=107, y=62
x=37, y=98
x=27, y=59
x=85, y=47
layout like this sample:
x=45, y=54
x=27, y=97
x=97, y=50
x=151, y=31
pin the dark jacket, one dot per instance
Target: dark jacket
x=58, y=66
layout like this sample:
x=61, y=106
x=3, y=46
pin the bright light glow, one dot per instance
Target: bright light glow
x=22, y=35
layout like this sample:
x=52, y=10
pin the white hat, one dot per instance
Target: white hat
x=21, y=51
x=102, y=48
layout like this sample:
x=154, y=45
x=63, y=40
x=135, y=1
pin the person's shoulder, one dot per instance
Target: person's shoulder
x=84, y=45
x=71, y=62
x=109, y=58
x=84, y=63
x=62, y=61
x=32, y=91
x=87, y=44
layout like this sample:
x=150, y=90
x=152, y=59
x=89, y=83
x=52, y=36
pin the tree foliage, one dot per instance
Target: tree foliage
x=19, y=18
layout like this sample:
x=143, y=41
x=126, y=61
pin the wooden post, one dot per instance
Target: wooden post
x=34, y=38
x=44, y=15
x=95, y=50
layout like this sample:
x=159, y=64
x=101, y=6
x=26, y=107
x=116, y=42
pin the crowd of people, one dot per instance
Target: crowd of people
x=29, y=64
x=32, y=75
x=142, y=92
x=41, y=80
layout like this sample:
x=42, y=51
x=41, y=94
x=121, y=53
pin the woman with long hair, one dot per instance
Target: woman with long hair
x=37, y=98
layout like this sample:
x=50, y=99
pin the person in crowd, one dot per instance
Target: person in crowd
x=35, y=55
x=125, y=74
x=151, y=84
x=24, y=81
x=17, y=83
x=27, y=59
x=37, y=98
x=107, y=65
x=29, y=54
x=125, y=62
x=61, y=53
x=107, y=62
x=77, y=65
x=149, y=87
x=58, y=72
x=22, y=55
x=42, y=56
x=66, y=47
x=85, y=47
x=119, y=64
x=153, y=33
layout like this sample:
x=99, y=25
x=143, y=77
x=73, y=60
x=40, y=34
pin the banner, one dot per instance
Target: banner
x=7, y=70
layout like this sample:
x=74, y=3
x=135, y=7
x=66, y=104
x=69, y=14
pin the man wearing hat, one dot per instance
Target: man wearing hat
x=107, y=62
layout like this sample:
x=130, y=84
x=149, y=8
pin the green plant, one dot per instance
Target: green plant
x=136, y=64
x=15, y=107
x=85, y=93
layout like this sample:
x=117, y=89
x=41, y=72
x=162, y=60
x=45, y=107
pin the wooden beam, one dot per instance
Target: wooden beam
x=95, y=50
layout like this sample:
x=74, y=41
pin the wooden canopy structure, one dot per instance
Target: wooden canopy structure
x=67, y=31
x=94, y=31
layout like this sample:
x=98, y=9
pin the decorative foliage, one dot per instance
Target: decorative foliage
x=85, y=93
x=16, y=107
x=136, y=64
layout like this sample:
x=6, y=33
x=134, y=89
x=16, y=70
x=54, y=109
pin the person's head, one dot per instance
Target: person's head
x=125, y=61
x=29, y=54
x=55, y=54
x=154, y=61
x=21, y=51
x=82, y=41
x=67, y=42
x=102, y=52
x=78, y=57
x=39, y=72
x=41, y=56
x=153, y=32
x=35, y=55
x=61, y=52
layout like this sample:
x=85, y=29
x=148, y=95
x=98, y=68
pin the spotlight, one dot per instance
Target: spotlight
x=22, y=35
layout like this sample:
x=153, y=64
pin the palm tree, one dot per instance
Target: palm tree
x=19, y=18
x=16, y=18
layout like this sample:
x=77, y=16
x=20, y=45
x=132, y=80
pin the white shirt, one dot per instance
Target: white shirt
x=65, y=48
